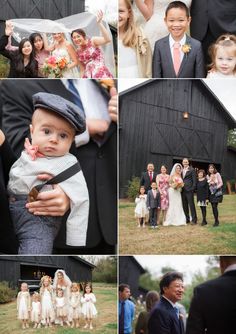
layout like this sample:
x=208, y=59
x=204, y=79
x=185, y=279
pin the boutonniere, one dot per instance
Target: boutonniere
x=105, y=85
x=186, y=48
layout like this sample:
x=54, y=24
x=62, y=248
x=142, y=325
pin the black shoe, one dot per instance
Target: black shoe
x=216, y=224
x=194, y=222
x=187, y=222
x=203, y=223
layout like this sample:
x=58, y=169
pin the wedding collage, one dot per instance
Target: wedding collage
x=118, y=156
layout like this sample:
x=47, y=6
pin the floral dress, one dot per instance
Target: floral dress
x=163, y=185
x=92, y=59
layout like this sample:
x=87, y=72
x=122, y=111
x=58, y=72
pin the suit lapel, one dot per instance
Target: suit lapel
x=167, y=51
x=185, y=58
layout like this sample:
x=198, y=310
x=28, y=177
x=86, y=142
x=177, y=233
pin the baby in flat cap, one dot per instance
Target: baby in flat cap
x=55, y=123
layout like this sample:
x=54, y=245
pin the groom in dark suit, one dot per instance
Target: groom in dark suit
x=212, y=18
x=165, y=317
x=213, y=307
x=190, y=182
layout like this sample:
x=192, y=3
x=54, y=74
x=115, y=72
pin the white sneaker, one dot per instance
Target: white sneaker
x=91, y=327
x=86, y=326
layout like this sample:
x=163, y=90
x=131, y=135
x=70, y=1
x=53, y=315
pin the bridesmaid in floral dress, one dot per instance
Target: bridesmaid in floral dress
x=90, y=56
x=162, y=181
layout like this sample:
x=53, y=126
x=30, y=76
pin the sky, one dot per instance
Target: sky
x=186, y=264
x=224, y=89
x=109, y=7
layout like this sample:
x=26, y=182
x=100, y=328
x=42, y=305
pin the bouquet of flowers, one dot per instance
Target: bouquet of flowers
x=54, y=66
x=177, y=183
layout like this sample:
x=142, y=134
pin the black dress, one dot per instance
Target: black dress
x=12, y=56
x=202, y=192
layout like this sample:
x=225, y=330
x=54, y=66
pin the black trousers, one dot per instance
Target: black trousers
x=215, y=211
x=204, y=211
x=188, y=202
x=153, y=216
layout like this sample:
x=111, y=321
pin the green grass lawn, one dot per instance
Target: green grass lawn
x=183, y=239
x=106, y=322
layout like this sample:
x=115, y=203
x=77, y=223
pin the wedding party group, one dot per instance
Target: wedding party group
x=171, y=197
x=58, y=302
x=52, y=50
x=179, y=39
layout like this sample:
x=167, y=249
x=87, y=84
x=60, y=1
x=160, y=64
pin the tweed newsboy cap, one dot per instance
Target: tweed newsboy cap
x=66, y=109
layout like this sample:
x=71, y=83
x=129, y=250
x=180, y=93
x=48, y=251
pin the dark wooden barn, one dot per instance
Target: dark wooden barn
x=15, y=269
x=162, y=121
x=43, y=9
x=129, y=273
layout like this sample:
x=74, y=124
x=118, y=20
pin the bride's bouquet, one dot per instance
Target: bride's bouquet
x=177, y=183
x=53, y=66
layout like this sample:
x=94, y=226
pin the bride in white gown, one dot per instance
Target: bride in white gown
x=175, y=213
x=154, y=13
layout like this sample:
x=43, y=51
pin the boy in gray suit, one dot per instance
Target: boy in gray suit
x=178, y=55
x=153, y=204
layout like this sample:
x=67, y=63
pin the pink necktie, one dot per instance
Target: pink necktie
x=176, y=57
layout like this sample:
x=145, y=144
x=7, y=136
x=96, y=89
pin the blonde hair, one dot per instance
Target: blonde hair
x=75, y=285
x=226, y=41
x=131, y=31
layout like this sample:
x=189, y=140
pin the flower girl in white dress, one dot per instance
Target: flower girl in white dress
x=36, y=310
x=23, y=305
x=88, y=308
x=75, y=304
x=46, y=293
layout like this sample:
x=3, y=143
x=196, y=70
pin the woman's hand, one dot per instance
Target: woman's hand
x=99, y=16
x=50, y=203
x=2, y=137
x=9, y=28
x=113, y=105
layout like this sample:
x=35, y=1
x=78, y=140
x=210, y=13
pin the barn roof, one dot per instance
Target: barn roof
x=229, y=118
x=137, y=264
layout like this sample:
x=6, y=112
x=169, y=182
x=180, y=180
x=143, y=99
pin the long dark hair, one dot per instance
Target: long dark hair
x=32, y=65
x=32, y=38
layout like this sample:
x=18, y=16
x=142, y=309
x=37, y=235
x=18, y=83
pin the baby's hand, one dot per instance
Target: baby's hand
x=2, y=137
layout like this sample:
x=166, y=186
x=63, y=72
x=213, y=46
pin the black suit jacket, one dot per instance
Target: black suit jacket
x=29, y=72
x=98, y=163
x=213, y=306
x=190, y=180
x=145, y=180
x=219, y=15
x=192, y=65
x=163, y=319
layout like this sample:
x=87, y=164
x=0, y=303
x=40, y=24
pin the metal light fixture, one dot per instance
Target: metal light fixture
x=185, y=115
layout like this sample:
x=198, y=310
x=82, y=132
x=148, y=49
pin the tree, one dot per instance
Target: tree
x=232, y=138
x=106, y=270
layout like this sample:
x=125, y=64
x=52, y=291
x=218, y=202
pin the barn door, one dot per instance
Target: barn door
x=180, y=141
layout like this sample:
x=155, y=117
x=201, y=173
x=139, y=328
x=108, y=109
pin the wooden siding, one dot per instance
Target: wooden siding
x=76, y=269
x=129, y=273
x=45, y=9
x=152, y=127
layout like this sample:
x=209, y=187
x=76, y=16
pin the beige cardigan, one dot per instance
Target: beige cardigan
x=144, y=55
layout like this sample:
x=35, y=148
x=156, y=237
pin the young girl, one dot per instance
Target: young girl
x=88, y=308
x=36, y=310
x=223, y=57
x=22, y=61
x=75, y=304
x=202, y=194
x=135, y=55
x=46, y=293
x=23, y=305
x=61, y=307
x=141, y=210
